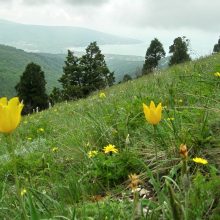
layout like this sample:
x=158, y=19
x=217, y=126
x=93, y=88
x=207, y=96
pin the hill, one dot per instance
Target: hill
x=13, y=62
x=53, y=39
x=103, y=158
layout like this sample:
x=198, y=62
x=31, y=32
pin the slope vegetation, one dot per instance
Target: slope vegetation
x=63, y=165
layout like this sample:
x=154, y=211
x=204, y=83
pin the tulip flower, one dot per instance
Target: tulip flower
x=10, y=114
x=153, y=113
x=183, y=151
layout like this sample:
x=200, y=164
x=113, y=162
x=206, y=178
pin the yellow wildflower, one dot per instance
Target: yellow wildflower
x=217, y=74
x=55, y=149
x=10, y=114
x=92, y=153
x=29, y=138
x=41, y=130
x=200, y=160
x=23, y=192
x=153, y=113
x=170, y=119
x=110, y=149
x=183, y=151
x=102, y=95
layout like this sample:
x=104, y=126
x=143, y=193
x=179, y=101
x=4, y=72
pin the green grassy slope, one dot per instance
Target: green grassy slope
x=54, y=167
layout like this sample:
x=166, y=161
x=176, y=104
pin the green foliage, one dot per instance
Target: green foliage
x=112, y=169
x=154, y=53
x=14, y=61
x=84, y=75
x=64, y=183
x=179, y=49
x=96, y=74
x=31, y=89
x=72, y=79
x=126, y=78
x=216, y=48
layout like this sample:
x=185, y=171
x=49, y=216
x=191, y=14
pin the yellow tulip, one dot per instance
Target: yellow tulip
x=10, y=114
x=153, y=113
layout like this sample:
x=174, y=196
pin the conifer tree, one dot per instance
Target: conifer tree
x=31, y=89
x=72, y=78
x=216, y=48
x=179, y=49
x=154, y=53
x=126, y=78
x=96, y=74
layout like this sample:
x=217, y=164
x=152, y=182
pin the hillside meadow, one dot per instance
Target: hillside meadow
x=66, y=172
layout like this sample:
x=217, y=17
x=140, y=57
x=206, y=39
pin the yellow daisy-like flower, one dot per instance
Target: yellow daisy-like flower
x=102, y=95
x=23, y=192
x=170, y=119
x=152, y=113
x=41, y=130
x=110, y=149
x=55, y=149
x=92, y=153
x=10, y=114
x=200, y=160
x=217, y=74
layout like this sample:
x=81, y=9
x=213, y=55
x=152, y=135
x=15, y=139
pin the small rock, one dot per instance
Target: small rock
x=143, y=192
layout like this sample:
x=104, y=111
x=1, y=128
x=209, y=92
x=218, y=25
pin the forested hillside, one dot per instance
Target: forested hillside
x=13, y=62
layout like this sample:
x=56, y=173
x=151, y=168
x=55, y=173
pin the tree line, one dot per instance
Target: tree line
x=88, y=73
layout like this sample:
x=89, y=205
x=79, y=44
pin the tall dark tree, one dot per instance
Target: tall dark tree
x=126, y=78
x=179, y=49
x=72, y=78
x=95, y=72
x=31, y=89
x=216, y=48
x=154, y=53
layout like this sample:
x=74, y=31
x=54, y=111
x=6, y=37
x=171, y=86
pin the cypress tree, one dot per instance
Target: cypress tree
x=72, y=78
x=96, y=74
x=179, y=49
x=31, y=89
x=216, y=48
x=154, y=53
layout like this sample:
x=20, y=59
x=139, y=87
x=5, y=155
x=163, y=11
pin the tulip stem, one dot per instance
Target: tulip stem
x=12, y=155
x=155, y=136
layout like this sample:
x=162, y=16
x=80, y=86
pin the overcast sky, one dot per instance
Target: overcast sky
x=198, y=20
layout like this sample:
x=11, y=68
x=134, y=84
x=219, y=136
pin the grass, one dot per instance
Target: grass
x=62, y=182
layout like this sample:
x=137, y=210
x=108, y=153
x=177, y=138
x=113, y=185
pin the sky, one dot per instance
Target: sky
x=198, y=20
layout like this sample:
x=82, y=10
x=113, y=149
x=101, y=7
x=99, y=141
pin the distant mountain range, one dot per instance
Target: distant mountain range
x=54, y=39
x=53, y=42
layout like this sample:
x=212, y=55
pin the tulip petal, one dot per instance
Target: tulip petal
x=152, y=105
x=146, y=111
x=10, y=114
x=3, y=101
